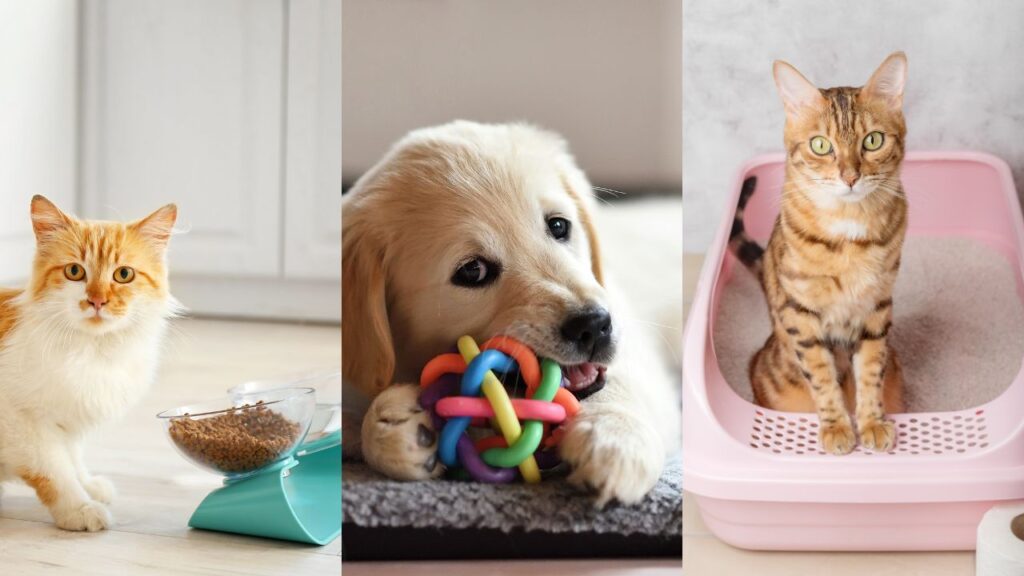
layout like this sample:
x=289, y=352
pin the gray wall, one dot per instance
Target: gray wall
x=965, y=88
x=604, y=73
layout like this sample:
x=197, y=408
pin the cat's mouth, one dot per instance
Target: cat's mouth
x=96, y=316
x=851, y=195
x=100, y=321
x=860, y=190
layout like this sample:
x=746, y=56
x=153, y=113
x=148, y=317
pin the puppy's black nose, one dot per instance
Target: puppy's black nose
x=590, y=330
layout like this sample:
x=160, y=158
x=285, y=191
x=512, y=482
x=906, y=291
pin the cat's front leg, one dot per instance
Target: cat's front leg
x=836, y=433
x=99, y=488
x=818, y=366
x=49, y=468
x=870, y=360
x=800, y=343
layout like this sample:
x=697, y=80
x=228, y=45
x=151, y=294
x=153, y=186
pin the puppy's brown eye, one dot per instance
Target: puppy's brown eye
x=559, y=228
x=74, y=272
x=476, y=273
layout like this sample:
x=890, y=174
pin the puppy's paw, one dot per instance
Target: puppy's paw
x=100, y=489
x=614, y=453
x=837, y=438
x=878, y=435
x=90, y=516
x=398, y=436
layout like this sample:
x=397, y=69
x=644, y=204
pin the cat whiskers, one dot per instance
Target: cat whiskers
x=176, y=336
x=55, y=329
x=890, y=186
x=791, y=187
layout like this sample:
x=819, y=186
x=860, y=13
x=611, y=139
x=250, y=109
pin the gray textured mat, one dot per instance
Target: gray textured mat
x=370, y=500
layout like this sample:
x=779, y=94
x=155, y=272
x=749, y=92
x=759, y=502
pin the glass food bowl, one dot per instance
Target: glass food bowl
x=326, y=424
x=243, y=433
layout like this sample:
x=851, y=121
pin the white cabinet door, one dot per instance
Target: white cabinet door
x=183, y=103
x=313, y=183
x=230, y=108
x=37, y=121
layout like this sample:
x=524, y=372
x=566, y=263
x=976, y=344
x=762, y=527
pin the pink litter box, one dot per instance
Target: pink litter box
x=757, y=475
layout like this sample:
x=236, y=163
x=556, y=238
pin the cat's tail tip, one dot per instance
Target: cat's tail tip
x=748, y=252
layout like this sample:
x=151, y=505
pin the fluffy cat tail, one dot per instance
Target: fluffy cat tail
x=742, y=246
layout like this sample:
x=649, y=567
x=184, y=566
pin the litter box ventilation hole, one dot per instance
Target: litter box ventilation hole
x=797, y=434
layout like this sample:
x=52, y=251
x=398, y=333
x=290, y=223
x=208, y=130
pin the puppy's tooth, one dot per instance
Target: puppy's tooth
x=424, y=436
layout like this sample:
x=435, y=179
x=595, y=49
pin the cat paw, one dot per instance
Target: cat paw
x=398, y=436
x=100, y=489
x=878, y=435
x=838, y=438
x=91, y=516
x=613, y=453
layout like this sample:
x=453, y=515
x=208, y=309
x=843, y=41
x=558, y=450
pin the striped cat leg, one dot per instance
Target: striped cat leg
x=818, y=366
x=776, y=380
x=817, y=363
x=892, y=386
x=870, y=359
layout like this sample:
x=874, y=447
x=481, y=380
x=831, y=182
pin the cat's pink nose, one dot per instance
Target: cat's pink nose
x=851, y=178
x=97, y=302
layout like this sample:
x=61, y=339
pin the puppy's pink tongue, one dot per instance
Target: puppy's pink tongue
x=581, y=375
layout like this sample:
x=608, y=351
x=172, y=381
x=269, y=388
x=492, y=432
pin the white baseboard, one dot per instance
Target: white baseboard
x=260, y=298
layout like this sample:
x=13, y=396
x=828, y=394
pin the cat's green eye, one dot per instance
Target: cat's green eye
x=124, y=274
x=873, y=141
x=820, y=145
x=74, y=272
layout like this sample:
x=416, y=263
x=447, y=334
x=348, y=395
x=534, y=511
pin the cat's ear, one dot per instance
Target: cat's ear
x=797, y=92
x=368, y=355
x=157, y=226
x=887, y=83
x=47, y=218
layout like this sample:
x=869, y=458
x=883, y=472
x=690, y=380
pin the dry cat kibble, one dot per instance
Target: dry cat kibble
x=237, y=441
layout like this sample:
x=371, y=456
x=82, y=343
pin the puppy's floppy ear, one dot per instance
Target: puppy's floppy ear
x=368, y=355
x=586, y=219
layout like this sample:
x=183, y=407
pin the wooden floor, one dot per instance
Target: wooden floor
x=158, y=490
x=706, y=555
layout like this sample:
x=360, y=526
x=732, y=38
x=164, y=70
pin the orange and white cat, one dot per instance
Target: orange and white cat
x=79, y=345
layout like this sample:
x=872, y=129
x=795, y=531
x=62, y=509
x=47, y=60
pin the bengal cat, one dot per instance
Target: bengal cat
x=831, y=262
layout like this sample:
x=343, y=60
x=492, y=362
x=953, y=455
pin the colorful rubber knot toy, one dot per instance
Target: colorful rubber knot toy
x=461, y=391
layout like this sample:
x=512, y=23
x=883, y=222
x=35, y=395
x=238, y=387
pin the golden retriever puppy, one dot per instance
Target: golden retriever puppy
x=483, y=230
